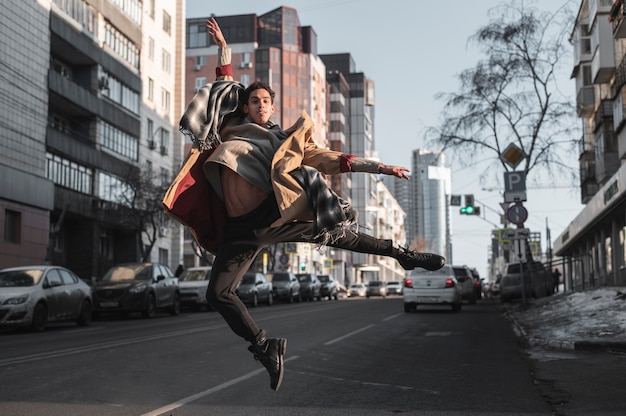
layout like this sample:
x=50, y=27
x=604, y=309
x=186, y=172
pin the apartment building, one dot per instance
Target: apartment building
x=89, y=101
x=593, y=245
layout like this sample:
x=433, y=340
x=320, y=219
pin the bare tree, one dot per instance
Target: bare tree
x=140, y=207
x=512, y=95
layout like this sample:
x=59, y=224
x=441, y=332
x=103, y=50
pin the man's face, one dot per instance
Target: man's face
x=259, y=107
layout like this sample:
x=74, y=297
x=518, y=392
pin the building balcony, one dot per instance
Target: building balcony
x=603, y=115
x=616, y=18
x=588, y=184
x=585, y=101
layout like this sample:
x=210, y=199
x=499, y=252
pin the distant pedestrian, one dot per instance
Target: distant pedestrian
x=179, y=270
x=556, y=277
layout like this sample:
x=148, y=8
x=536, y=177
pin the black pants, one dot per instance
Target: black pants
x=245, y=237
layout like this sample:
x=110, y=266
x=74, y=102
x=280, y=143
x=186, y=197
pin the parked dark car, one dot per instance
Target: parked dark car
x=137, y=287
x=33, y=296
x=310, y=286
x=192, y=284
x=376, y=288
x=285, y=286
x=330, y=286
x=255, y=288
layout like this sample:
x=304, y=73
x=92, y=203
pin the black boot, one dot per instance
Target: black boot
x=270, y=353
x=410, y=259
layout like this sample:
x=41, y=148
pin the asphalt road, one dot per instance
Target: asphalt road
x=346, y=357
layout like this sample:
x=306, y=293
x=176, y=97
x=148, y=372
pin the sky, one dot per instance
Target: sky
x=413, y=51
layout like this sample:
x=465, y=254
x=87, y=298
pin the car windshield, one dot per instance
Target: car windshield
x=20, y=278
x=194, y=275
x=128, y=272
x=277, y=277
x=304, y=277
x=248, y=279
x=324, y=279
x=375, y=283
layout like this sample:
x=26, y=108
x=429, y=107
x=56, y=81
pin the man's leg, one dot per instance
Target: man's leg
x=231, y=263
x=353, y=241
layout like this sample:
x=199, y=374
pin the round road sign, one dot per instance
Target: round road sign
x=517, y=214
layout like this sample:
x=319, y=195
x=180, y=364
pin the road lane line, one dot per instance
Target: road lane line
x=348, y=335
x=393, y=316
x=197, y=396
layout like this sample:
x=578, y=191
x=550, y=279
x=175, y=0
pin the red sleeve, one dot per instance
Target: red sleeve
x=345, y=164
x=224, y=70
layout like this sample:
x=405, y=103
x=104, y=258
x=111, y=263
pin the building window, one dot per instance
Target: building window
x=167, y=23
x=150, y=89
x=151, y=9
x=68, y=174
x=106, y=245
x=165, y=100
x=245, y=79
x=165, y=176
x=163, y=256
x=197, y=35
x=201, y=60
x=113, y=189
x=166, y=61
x=151, y=49
x=12, y=226
x=121, y=94
x=165, y=141
x=200, y=82
x=121, y=45
x=150, y=133
x=119, y=142
x=131, y=8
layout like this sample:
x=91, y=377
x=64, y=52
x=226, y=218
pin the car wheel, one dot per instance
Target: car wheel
x=175, y=309
x=148, y=312
x=299, y=297
x=408, y=307
x=270, y=299
x=84, y=318
x=40, y=317
x=472, y=300
x=255, y=300
x=456, y=307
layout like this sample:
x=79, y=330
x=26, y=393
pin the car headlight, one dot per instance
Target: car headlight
x=139, y=288
x=16, y=301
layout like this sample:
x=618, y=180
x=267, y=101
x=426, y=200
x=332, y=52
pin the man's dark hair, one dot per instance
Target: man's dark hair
x=258, y=85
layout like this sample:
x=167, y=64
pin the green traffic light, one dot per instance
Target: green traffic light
x=468, y=210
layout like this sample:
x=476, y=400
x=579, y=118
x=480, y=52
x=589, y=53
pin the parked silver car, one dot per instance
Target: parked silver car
x=37, y=295
x=439, y=287
x=376, y=288
x=464, y=276
x=193, y=283
x=285, y=286
x=310, y=286
x=137, y=287
x=357, y=290
x=394, y=287
x=255, y=288
x=330, y=286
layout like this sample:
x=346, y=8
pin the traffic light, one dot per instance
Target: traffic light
x=469, y=208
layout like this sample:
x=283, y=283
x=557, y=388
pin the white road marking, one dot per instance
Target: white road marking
x=208, y=392
x=348, y=335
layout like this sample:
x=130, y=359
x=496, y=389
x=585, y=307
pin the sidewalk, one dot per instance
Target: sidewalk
x=591, y=320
